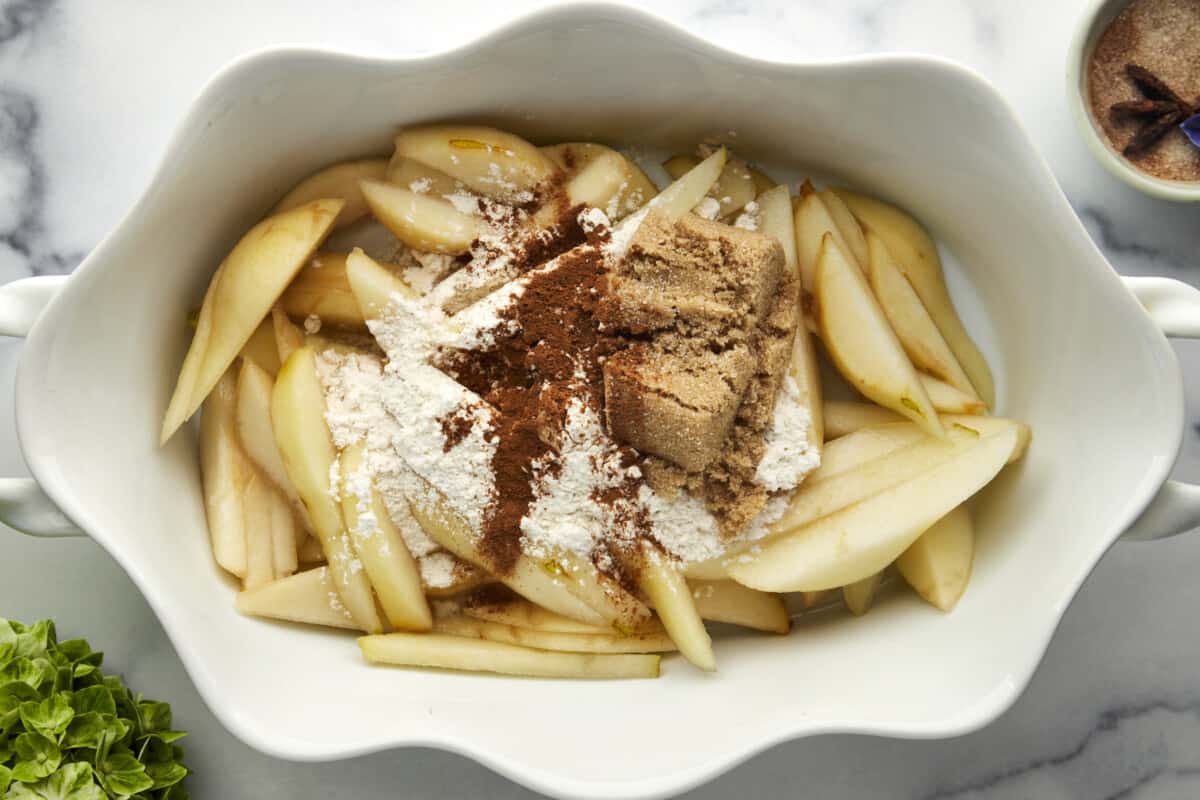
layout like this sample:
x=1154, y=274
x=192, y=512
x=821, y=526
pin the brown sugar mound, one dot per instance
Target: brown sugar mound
x=713, y=312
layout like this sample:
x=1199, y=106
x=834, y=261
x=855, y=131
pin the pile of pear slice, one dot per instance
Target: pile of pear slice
x=896, y=469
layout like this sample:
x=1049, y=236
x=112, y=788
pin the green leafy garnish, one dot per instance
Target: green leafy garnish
x=70, y=732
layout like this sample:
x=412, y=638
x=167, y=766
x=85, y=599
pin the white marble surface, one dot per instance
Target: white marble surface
x=89, y=93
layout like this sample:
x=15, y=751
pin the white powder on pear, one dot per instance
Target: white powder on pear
x=788, y=457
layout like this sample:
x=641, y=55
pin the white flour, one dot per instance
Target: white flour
x=788, y=458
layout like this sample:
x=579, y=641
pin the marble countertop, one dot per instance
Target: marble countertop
x=89, y=93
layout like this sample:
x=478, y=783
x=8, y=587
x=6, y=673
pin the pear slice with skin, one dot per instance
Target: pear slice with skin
x=340, y=181
x=288, y=336
x=813, y=221
x=240, y=296
x=380, y=547
x=255, y=430
x=918, y=259
x=490, y=162
x=520, y=613
x=298, y=418
x=859, y=595
x=260, y=544
x=308, y=597
x=224, y=473
x=826, y=495
x=938, y=564
x=861, y=539
x=322, y=289
x=575, y=159
x=284, y=554
x=444, y=651
x=375, y=287
x=949, y=400
x=527, y=578
x=261, y=348
x=844, y=417
x=734, y=604
x=776, y=221
x=421, y=178
x=861, y=342
x=555, y=641
x=672, y=599
x=421, y=221
x=733, y=189
x=847, y=225
x=913, y=326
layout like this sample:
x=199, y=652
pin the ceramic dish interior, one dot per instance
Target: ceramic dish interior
x=1073, y=354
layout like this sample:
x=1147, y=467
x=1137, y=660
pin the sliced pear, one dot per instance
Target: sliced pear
x=863, y=445
x=762, y=181
x=599, y=182
x=862, y=539
x=339, y=181
x=623, y=611
x=551, y=640
x=224, y=472
x=308, y=551
x=938, y=564
x=374, y=286
x=477, y=655
x=726, y=601
x=918, y=259
x=421, y=178
x=861, y=343
x=321, y=289
x=261, y=348
x=283, y=535
x=298, y=418
x=309, y=597
x=255, y=430
x=527, y=578
x=813, y=221
x=260, y=546
x=826, y=495
x=859, y=595
x=672, y=599
x=288, y=336
x=913, y=326
x=422, y=222
x=810, y=600
x=776, y=221
x=491, y=162
x=843, y=417
x=380, y=547
x=714, y=569
x=847, y=225
x=949, y=400
x=241, y=293
x=690, y=188
x=520, y=613
x=732, y=190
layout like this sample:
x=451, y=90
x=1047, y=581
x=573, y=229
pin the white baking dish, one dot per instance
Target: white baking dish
x=1073, y=352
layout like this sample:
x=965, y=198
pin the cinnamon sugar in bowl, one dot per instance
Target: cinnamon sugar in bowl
x=1133, y=78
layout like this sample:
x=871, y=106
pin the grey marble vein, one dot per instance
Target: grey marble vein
x=1111, y=730
x=18, y=17
x=23, y=196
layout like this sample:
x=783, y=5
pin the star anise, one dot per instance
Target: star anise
x=1161, y=109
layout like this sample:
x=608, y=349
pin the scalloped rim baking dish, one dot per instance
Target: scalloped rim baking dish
x=1074, y=352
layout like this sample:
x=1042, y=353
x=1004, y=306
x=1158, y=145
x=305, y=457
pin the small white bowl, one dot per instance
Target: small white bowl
x=1091, y=26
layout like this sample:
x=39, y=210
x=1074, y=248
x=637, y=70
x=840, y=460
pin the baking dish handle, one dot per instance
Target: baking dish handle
x=23, y=504
x=1175, y=308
